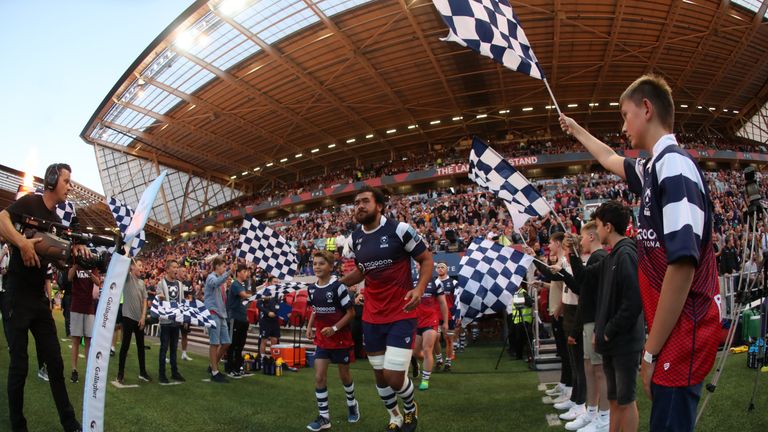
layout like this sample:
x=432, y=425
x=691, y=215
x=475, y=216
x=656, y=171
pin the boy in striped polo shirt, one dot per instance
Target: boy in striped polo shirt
x=677, y=271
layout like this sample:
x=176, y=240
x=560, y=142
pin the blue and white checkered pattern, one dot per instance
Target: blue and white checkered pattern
x=489, y=276
x=277, y=290
x=491, y=28
x=267, y=249
x=123, y=215
x=65, y=210
x=192, y=312
x=491, y=171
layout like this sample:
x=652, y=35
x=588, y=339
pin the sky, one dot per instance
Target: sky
x=59, y=61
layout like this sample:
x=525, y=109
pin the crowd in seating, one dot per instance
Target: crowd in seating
x=410, y=162
x=450, y=219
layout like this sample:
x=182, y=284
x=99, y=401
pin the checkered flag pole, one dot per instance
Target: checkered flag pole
x=493, y=29
x=489, y=277
x=280, y=290
x=267, y=249
x=123, y=216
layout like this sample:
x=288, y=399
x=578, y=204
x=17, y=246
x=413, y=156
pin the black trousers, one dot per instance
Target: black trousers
x=235, y=351
x=169, y=339
x=520, y=337
x=37, y=319
x=131, y=327
x=66, y=305
x=571, y=326
x=566, y=376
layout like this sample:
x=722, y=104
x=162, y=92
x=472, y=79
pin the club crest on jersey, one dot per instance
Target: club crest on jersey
x=329, y=296
x=384, y=241
x=647, y=202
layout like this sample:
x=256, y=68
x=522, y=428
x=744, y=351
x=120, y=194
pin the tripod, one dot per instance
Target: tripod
x=517, y=314
x=741, y=292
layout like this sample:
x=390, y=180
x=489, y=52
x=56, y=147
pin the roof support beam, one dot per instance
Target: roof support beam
x=299, y=72
x=703, y=44
x=186, y=197
x=232, y=118
x=618, y=15
x=727, y=65
x=258, y=95
x=194, y=130
x=433, y=60
x=363, y=61
x=670, y=24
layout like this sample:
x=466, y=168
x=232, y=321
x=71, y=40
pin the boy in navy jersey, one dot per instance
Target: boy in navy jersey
x=448, y=286
x=332, y=312
x=383, y=249
x=677, y=269
x=431, y=311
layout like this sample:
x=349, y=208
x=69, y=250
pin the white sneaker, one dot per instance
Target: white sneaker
x=42, y=373
x=564, y=396
x=565, y=405
x=556, y=390
x=580, y=422
x=599, y=424
x=573, y=413
x=184, y=356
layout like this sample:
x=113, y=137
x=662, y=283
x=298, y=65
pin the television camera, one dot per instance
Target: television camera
x=57, y=241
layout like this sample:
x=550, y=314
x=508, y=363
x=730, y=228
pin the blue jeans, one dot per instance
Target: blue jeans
x=169, y=338
x=674, y=408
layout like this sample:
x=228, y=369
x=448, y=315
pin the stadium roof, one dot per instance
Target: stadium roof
x=238, y=96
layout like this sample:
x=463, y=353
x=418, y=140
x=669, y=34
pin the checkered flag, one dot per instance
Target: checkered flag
x=491, y=28
x=267, y=249
x=163, y=309
x=279, y=290
x=123, y=216
x=491, y=171
x=489, y=276
x=65, y=210
x=192, y=312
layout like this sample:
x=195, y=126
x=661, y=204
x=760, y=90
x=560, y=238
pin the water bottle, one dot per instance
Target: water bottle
x=752, y=357
x=279, y=367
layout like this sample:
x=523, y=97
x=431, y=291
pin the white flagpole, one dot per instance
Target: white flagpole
x=557, y=107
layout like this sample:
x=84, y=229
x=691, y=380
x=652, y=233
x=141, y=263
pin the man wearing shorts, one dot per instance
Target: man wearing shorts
x=215, y=302
x=269, y=323
x=431, y=312
x=383, y=250
x=619, y=323
x=449, y=286
x=82, y=312
x=596, y=418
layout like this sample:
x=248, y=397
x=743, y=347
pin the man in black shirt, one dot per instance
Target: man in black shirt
x=28, y=306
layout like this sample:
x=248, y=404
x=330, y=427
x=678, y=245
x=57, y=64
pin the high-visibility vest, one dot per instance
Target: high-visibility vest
x=330, y=244
x=523, y=314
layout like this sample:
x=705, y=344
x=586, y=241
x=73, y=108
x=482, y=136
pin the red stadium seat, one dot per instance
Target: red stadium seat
x=301, y=309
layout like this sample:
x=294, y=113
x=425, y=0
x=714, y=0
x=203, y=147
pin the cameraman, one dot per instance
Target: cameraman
x=27, y=304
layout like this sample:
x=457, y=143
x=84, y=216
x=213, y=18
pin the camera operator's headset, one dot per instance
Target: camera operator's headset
x=52, y=176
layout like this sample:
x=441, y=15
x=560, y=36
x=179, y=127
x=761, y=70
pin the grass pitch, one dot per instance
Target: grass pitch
x=474, y=397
